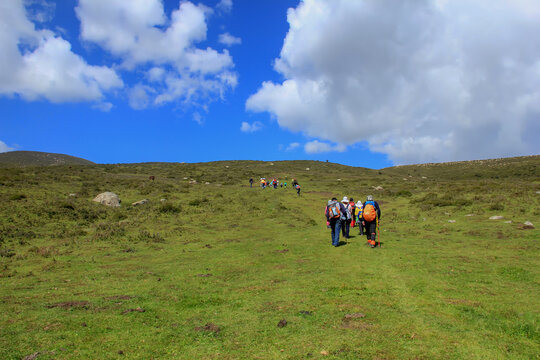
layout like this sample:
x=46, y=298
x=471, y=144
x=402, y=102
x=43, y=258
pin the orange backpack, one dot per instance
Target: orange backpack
x=369, y=211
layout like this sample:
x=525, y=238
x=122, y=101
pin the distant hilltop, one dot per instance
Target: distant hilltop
x=36, y=158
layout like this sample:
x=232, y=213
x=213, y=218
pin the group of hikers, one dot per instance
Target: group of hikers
x=275, y=183
x=341, y=216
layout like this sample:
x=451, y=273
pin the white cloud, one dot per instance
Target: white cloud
x=4, y=147
x=292, y=146
x=249, y=128
x=139, y=96
x=229, y=40
x=225, y=5
x=316, y=147
x=37, y=64
x=140, y=34
x=417, y=80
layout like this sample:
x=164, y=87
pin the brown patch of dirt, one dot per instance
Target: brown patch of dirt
x=463, y=302
x=209, y=327
x=133, y=310
x=500, y=235
x=282, y=323
x=119, y=297
x=525, y=227
x=301, y=261
x=280, y=267
x=70, y=304
x=355, y=316
x=282, y=251
x=52, y=326
x=204, y=275
x=32, y=356
x=208, y=246
x=232, y=241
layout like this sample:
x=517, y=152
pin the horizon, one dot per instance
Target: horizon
x=364, y=84
x=272, y=161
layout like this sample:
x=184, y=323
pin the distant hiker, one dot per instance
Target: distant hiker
x=285, y=184
x=250, y=182
x=263, y=183
x=152, y=177
x=294, y=183
x=360, y=219
x=371, y=214
x=297, y=187
x=281, y=185
x=274, y=182
x=346, y=222
x=334, y=214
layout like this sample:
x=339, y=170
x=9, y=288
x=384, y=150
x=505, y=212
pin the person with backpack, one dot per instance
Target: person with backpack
x=346, y=222
x=297, y=187
x=371, y=214
x=334, y=215
x=250, y=182
x=352, y=207
x=359, y=217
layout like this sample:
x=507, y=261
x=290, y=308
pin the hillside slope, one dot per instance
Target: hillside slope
x=37, y=158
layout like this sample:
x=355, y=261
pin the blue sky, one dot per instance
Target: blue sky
x=364, y=83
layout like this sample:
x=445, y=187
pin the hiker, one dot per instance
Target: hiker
x=371, y=214
x=297, y=187
x=250, y=182
x=334, y=214
x=352, y=207
x=359, y=211
x=294, y=183
x=285, y=184
x=274, y=183
x=263, y=183
x=346, y=222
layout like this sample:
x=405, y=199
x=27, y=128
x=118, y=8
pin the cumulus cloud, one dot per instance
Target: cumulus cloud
x=140, y=34
x=317, y=147
x=417, y=80
x=37, y=64
x=4, y=147
x=249, y=128
x=229, y=40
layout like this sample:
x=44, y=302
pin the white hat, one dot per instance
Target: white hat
x=345, y=199
x=359, y=204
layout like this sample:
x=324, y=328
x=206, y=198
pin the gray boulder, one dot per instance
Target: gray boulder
x=496, y=217
x=108, y=198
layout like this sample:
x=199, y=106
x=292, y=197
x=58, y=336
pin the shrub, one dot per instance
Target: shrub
x=146, y=236
x=168, y=208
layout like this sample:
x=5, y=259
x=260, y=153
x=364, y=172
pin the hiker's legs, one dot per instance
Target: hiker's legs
x=361, y=227
x=335, y=234
x=370, y=229
x=348, y=227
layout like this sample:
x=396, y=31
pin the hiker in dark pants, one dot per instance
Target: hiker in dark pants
x=371, y=215
x=346, y=222
x=251, y=182
x=297, y=189
x=334, y=213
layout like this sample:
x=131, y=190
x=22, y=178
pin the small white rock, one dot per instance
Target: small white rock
x=405, y=179
x=528, y=223
x=496, y=217
x=451, y=221
x=307, y=169
x=469, y=215
x=508, y=222
x=207, y=183
x=423, y=177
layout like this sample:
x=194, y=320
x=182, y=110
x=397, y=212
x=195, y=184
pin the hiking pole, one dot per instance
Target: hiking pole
x=378, y=233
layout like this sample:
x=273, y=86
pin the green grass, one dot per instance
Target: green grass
x=211, y=271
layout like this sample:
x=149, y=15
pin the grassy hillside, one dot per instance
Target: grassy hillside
x=36, y=158
x=212, y=269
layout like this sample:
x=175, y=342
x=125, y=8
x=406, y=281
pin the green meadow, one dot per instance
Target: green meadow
x=213, y=269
